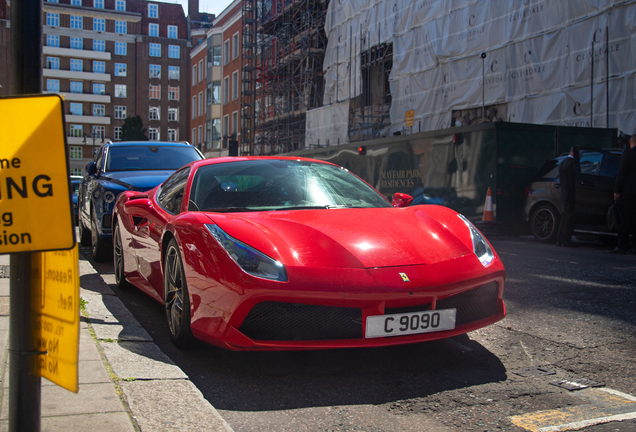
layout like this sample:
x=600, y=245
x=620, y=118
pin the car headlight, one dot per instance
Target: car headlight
x=480, y=246
x=249, y=259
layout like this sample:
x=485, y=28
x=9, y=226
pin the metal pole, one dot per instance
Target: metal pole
x=483, y=87
x=592, y=90
x=607, y=53
x=24, y=379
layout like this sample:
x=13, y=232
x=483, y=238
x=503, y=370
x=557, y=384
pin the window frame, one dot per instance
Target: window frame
x=153, y=29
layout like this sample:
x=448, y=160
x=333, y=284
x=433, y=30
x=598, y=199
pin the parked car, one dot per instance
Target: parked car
x=76, y=181
x=595, y=172
x=266, y=253
x=118, y=167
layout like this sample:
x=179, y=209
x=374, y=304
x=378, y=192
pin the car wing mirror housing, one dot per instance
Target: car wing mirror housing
x=139, y=207
x=402, y=200
x=91, y=168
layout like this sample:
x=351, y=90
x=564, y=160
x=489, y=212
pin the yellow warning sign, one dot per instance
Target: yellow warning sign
x=409, y=118
x=55, y=280
x=34, y=182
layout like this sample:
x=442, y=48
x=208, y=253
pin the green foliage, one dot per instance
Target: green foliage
x=133, y=129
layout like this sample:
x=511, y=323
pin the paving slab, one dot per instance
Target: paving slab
x=162, y=406
x=140, y=360
x=110, y=319
x=106, y=422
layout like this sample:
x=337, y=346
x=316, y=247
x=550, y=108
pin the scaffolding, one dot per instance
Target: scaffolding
x=288, y=72
x=248, y=75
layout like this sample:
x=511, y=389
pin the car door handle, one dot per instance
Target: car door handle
x=587, y=183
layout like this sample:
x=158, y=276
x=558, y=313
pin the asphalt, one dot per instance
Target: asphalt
x=126, y=383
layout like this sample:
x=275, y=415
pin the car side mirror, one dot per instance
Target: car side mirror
x=91, y=168
x=402, y=200
x=139, y=207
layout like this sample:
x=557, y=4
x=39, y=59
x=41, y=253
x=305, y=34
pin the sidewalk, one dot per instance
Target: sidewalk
x=126, y=383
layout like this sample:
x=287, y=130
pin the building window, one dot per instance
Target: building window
x=153, y=134
x=174, y=51
x=235, y=85
x=52, y=40
x=173, y=72
x=120, y=90
x=99, y=45
x=121, y=48
x=99, y=66
x=52, y=19
x=77, y=65
x=226, y=52
x=155, y=92
x=120, y=5
x=194, y=75
x=201, y=141
x=194, y=137
x=235, y=46
x=155, y=71
x=173, y=135
x=76, y=2
x=99, y=24
x=99, y=88
x=216, y=55
x=98, y=131
x=76, y=108
x=52, y=1
x=216, y=92
x=154, y=113
x=117, y=133
x=153, y=11
x=201, y=107
x=120, y=27
x=155, y=50
x=234, y=122
x=172, y=32
x=173, y=114
x=99, y=110
x=216, y=132
x=226, y=128
x=76, y=131
x=208, y=133
x=53, y=63
x=201, y=70
x=77, y=87
x=77, y=43
x=76, y=152
x=173, y=93
x=52, y=85
x=120, y=69
x=120, y=112
x=194, y=106
x=226, y=90
x=76, y=22
x=208, y=95
x=153, y=30
x=98, y=4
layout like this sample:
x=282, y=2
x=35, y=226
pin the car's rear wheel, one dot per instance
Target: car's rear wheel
x=177, y=301
x=118, y=260
x=101, y=251
x=544, y=223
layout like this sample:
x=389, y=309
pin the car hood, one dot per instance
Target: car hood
x=137, y=180
x=352, y=238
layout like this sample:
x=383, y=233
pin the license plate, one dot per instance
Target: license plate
x=410, y=323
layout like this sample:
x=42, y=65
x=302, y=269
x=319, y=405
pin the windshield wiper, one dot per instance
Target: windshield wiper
x=322, y=207
x=229, y=210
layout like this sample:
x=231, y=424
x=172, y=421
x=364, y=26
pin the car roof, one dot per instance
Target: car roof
x=148, y=143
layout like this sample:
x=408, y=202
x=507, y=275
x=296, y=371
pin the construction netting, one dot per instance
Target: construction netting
x=548, y=62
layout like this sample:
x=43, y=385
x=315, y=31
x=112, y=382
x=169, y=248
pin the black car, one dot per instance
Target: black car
x=136, y=166
x=595, y=173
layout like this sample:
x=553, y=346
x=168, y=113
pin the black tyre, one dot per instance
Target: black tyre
x=118, y=260
x=544, y=223
x=101, y=251
x=84, y=234
x=177, y=300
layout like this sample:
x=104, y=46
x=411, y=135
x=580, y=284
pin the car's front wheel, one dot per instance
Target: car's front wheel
x=118, y=260
x=84, y=233
x=101, y=251
x=544, y=223
x=177, y=301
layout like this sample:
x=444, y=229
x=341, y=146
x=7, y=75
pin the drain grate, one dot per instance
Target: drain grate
x=577, y=384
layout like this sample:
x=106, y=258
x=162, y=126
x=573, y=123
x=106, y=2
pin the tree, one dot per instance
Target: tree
x=133, y=130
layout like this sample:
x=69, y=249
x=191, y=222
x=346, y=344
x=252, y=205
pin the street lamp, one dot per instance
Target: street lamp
x=95, y=135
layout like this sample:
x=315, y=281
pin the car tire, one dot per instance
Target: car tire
x=84, y=234
x=101, y=251
x=176, y=298
x=544, y=223
x=118, y=260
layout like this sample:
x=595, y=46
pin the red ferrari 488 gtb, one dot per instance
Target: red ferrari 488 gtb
x=265, y=253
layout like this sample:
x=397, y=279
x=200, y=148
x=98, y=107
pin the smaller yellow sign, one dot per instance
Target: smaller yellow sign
x=55, y=282
x=409, y=118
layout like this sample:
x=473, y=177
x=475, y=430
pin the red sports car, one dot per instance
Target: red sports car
x=272, y=253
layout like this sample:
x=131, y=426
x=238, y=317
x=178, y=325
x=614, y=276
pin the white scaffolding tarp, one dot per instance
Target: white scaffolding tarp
x=538, y=61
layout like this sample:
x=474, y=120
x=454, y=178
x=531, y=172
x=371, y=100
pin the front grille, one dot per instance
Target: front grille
x=107, y=221
x=408, y=309
x=279, y=321
x=473, y=305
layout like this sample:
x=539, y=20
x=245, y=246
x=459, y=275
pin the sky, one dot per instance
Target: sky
x=209, y=6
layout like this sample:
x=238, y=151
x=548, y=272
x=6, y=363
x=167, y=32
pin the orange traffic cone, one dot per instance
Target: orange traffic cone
x=488, y=214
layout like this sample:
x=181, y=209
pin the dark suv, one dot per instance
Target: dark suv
x=595, y=172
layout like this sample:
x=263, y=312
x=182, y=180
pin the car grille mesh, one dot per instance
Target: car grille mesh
x=289, y=321
x=473, y=305
x=107, y=221
x=278, y=321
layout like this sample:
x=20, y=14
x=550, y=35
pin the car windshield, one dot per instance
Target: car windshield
x=140, y=158
x=256, y=185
